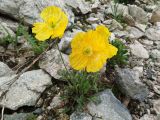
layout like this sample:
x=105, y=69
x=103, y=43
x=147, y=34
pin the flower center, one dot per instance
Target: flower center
x=87, y=51
x=53, y=25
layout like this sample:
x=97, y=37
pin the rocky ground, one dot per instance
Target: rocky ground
x=34, y=92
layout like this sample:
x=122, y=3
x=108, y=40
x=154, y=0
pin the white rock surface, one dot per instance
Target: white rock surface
x=104, y=1
x=5, y=30
x=135, y=33
x=26, y=90
x=130, y=84
x=64, y=44
x=121, y=34
x=148, y=117
x=79, y=4
x=156, y=106
x=13, y=25
x=155, y=15
x=138, y=14
x=92, y=20
x=56, y=101
x=29, y=10
x=147, y=42
x=5, y=82
x=138, y=50
x=139, y=69
x=17, y=116
x=108, y=107
x=6, y=77
x=113, y=25
x=5, y=70
x=2, y=49
x=52, y=63
x=129, y=20
x=120, y=9
x=153, y=34
x=80, y=116
x=112, y=37
x=142, y=27
x=155, y=53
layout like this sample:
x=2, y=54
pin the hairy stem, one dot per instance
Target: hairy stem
x=69, y=81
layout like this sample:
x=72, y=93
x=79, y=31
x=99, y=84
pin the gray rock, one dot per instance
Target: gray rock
x=139, y=70
x=13, y=25
x=129, y=20
x=5, y=31
x=5, y=70
x=156, y=106
x=150, y=8
x=80, y=116
x=156, y=88
x=138, y=50
x=116, y=25
x=108, y=107
x=158, y=44
x=155, y=53
x=11, y=47
x=148, y=117
x=29, y=9
x=152, y=34
x=105, y=1
x=92, y=20
x=138, y=14
x=2, y=49
x=40, y=117
x=141, y=27
x=155, y=15
x=38, y=111
x=135, y=33
x=158, y=25
x=147, y=1
x=112, y=37
x=130, y=84
x=26, y=90
x=56, y=101
x=136, y=62
x=52, y=63
x=64, y=44
x=119, y=9
x=147, y=42
x=113, y=24
x=17, y=116
x=79, y=4
x=100, y=15
x=26, y=45
x=5, y=82
x=96, y=4
x=121, y=34
x=6, y=76
x=151, y=74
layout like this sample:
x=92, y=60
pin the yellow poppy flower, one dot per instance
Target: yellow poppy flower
x=91, y=49
x=54, y=24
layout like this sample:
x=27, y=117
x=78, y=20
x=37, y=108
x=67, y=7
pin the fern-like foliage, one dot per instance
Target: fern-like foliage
x=37, y=46
x=80, y=88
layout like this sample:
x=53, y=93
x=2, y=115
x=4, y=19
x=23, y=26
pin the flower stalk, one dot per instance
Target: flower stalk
x=62, y=57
